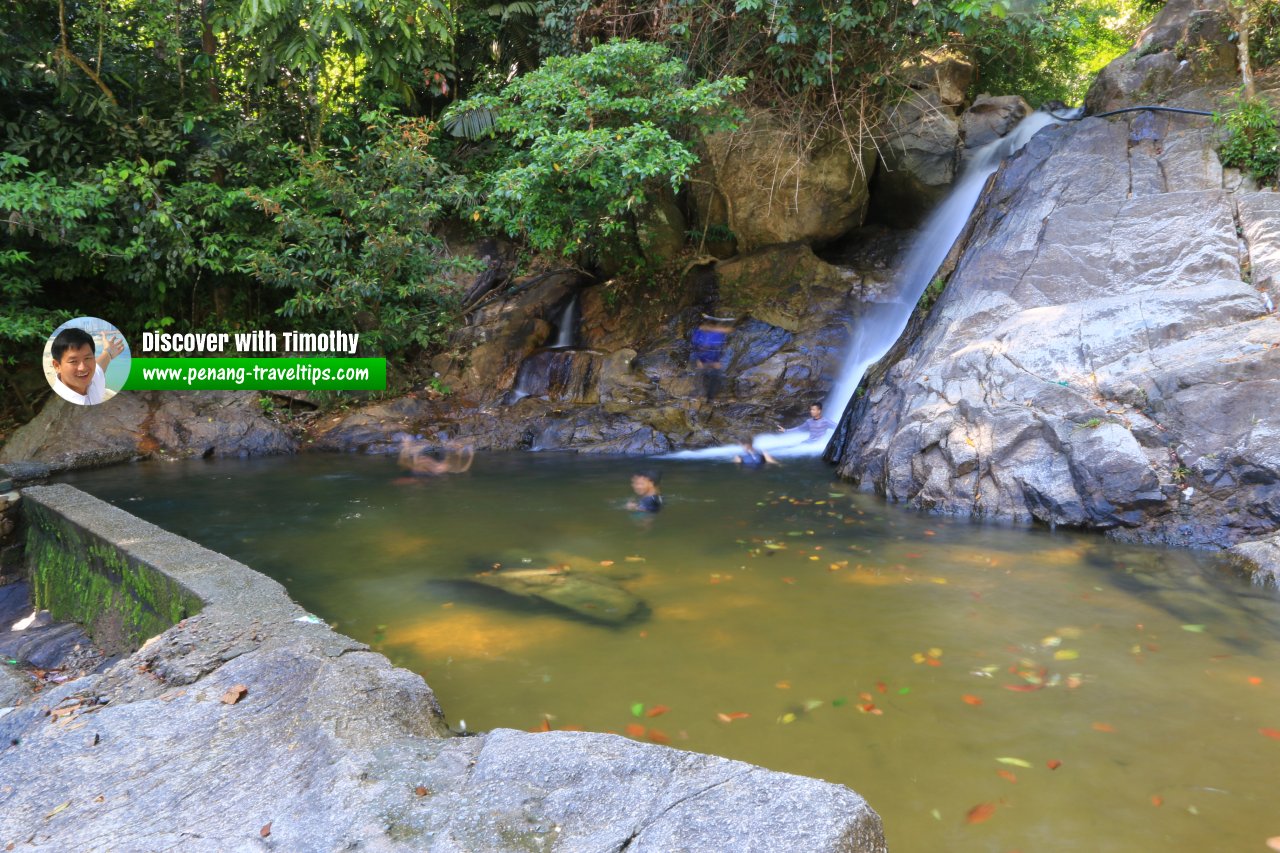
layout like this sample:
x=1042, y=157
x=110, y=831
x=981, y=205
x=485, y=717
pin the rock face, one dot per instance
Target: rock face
x=251, y=726
x=134, y=424
x=1098, y=358
x=990, y=118
x=628, y=386
x=1188, y=43
x=770, y=188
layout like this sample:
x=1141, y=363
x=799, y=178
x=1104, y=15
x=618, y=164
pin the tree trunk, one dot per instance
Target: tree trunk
x=1242, y=45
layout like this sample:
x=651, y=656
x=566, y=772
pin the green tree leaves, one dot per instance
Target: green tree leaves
x=590, y=138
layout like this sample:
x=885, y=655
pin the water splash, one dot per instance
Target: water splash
x=881, y=324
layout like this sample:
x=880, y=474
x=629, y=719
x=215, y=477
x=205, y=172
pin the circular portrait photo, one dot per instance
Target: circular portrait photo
x=86, y=361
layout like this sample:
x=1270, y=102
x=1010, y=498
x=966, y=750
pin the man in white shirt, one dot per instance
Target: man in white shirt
x=80, y=377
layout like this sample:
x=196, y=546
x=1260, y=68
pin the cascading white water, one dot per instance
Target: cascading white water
x=567, y=325
x=879, y=327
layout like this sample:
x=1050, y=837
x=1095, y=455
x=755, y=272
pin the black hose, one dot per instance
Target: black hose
x=1183, y=110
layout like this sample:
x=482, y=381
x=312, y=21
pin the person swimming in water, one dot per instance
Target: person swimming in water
x=753, y=457
x=648, y=495
x=415, y=457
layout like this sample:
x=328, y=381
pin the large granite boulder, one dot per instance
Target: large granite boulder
x=992, y=117
x=1098, y=358
x=1188, y=42
x=135, y=424
x=769, y=184
x=920, y=154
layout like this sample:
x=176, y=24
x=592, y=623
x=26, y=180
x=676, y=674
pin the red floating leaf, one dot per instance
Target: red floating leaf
x=657, y=711
x=635, y=730
x=1053, y=763
x=1023, y=688
x=1157, y=800
x=657, y=736
x=1255, y=680
x=980, y=813
x=1271, y=733
x=1107, y=727
x=1008, y=775
x=882, y=687
x=545, y=726
x=971, y=700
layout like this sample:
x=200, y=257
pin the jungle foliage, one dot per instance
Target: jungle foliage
x=205, y=164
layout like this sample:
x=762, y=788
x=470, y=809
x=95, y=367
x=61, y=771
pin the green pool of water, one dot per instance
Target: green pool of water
x=986, y=688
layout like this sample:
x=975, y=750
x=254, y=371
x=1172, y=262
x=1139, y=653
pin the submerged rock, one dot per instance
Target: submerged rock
x=593, y=597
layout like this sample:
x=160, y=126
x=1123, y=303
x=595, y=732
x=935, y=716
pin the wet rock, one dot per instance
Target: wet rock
x=1096, y=359
x=592, y=597
x=136, y=424
x=992, y=117
x=1263, y=559
x=767, y=185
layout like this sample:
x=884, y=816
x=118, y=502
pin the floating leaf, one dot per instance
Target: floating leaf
x=1008, y=775
x=813, y=704
x=657, y=711
x=1157, y=800
x=1271, y=733
x=635, y=730
x=657, y=736
x=787, y=718
x=969, y=699
x=937, y=815
x=1105, y=727
x=731, y=716
x=837, y=703
x=882, y=687
x=1255, y=680
x=606, y=562
x=980, y=813
x=783, y=685
x=903, y=691
x=545, y=726
x=1066, y=654
x=1274, y=842
x=1016, y=762
x=637, y=709
x=1053, y=763
x=1195, y=629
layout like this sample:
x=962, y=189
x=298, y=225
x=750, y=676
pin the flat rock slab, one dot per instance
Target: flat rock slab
x=592, y=597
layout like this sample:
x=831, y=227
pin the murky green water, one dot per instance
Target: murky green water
x=933, y=666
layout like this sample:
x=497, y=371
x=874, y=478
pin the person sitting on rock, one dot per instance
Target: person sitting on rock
x=752, y=457
x=648, y=496
x=414, y=456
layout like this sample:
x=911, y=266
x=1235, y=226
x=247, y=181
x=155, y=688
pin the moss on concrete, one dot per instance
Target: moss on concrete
x=79, y=577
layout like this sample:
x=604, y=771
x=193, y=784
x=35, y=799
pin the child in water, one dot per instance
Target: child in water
x=753, y=457
x=415, y=457
x=648, y=496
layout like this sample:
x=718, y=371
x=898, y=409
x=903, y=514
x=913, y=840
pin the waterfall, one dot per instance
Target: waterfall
x=567, y=324
x=880, y=326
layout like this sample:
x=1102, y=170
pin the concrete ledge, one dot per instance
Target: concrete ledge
x=332, y=748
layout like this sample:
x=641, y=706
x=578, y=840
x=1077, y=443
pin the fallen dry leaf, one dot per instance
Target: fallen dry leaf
x=421, y=791
x=980, y=813
x=266, y=830
x=57, y=809
x=234, y=694
x=1053, y=763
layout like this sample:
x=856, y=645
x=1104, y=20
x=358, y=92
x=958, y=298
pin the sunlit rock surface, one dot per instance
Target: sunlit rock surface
x=1099, y=357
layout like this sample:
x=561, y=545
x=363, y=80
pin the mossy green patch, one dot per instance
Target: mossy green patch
x=80, y=577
